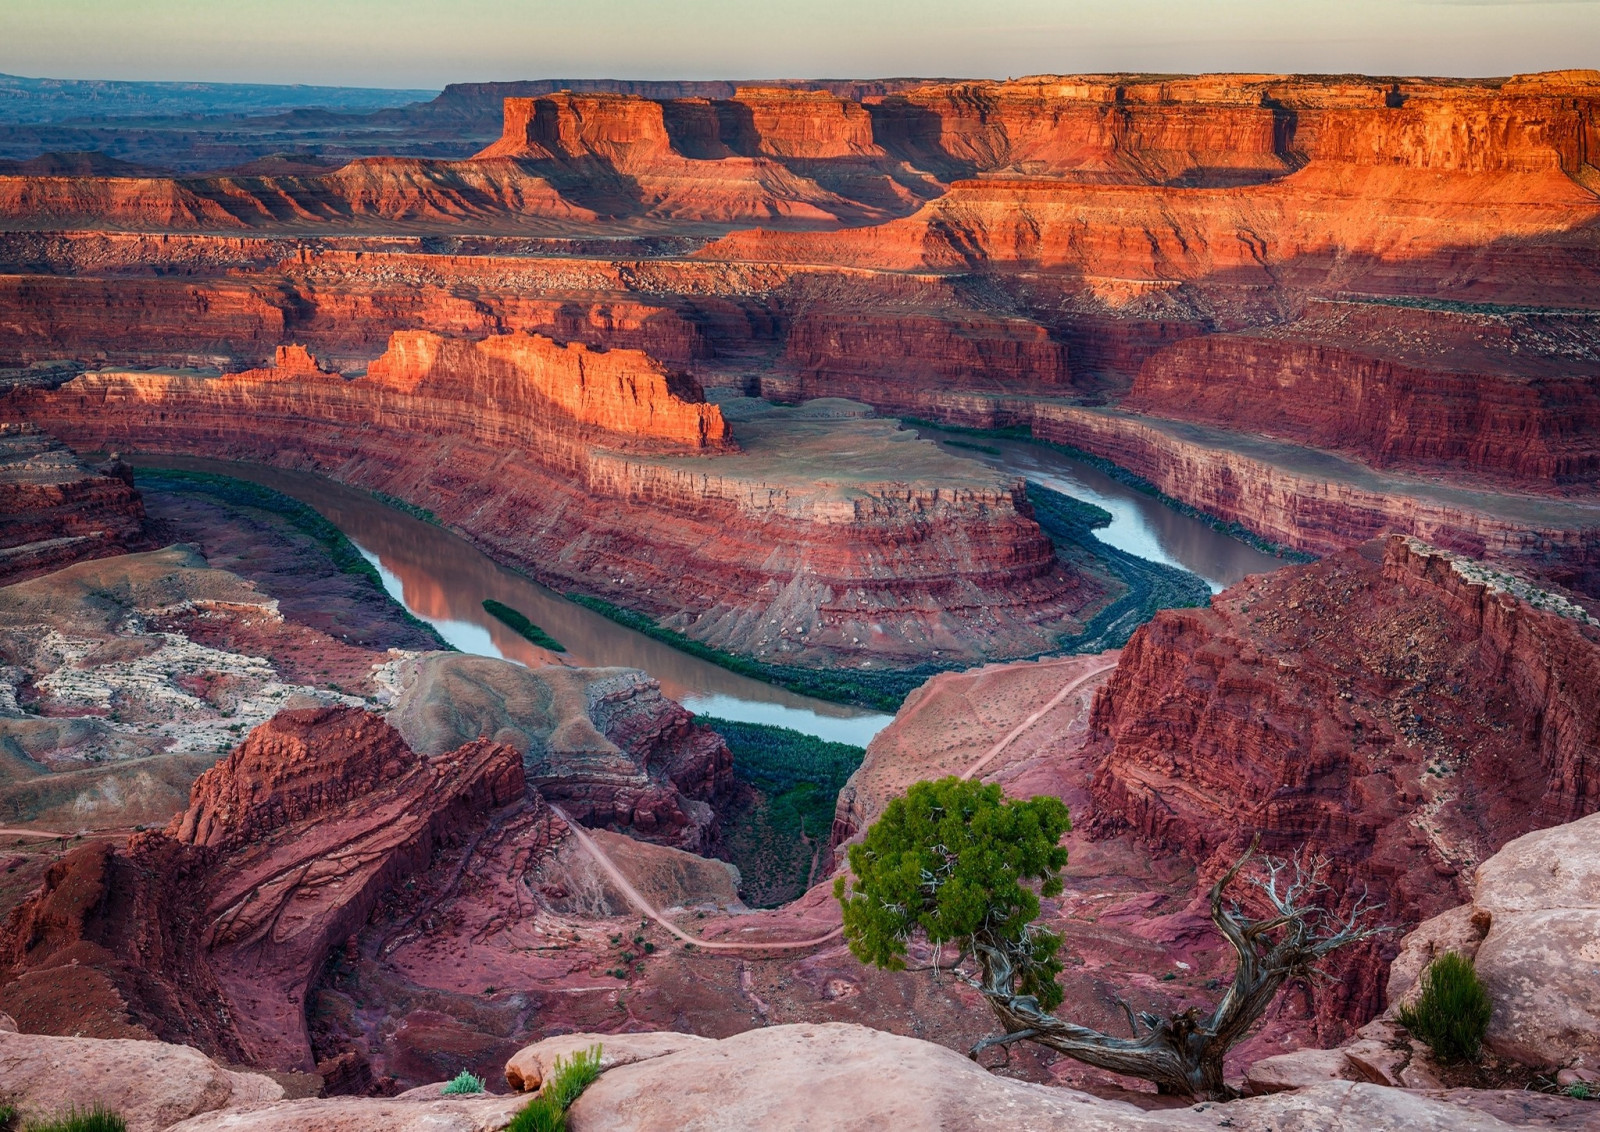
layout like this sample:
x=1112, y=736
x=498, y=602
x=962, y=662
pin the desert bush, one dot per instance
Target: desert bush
x=1451, y=1014
x=568, y=1078
x=462, y=1082
x=92, y=1119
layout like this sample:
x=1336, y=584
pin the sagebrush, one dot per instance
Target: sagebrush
x=463, y=1082
x=1451, y=1015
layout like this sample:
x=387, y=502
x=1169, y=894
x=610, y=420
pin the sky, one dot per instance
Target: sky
x=426, y=43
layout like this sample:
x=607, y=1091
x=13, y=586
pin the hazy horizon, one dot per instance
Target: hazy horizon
x=409, y=44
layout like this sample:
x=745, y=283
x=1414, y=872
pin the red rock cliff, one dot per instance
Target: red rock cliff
x=1394, y=715
x=626, y=393
x=54, y=511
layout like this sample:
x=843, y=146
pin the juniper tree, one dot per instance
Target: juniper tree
x=956, y=862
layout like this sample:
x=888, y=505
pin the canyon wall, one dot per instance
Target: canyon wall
x=1398, y=272
x=1402, y=712
x=55, y=511
x=1508, y=397
x=1316, y=502
x=748, y=550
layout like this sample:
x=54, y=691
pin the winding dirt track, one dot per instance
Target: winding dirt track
x=645, y=908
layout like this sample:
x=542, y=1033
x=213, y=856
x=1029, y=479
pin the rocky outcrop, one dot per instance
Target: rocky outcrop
x=55, y=511
x=625, y=394
x=215, y=928
x=151, y=1085
x=316, y=815
x=603, y=742
x=1483, y=394
x=1396, y=715
x=1531, y=930
x=827, y=538
x=768, y=1078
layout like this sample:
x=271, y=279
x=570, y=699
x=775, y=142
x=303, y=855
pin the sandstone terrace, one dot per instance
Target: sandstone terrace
x=829, y=536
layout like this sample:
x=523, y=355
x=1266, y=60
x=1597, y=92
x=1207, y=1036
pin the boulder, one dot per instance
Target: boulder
x=528, y=1067
x=1460, y=930
x=364, y=1114
x=151, y=1084
x=1533, y=930
x=1300, y=1069
x=1549, y=868
x=1542, y=970
x=846, y=1078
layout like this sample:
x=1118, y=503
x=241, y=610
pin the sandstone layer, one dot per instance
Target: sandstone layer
x=1530, y=930
x=828, y=537
x=55, y=511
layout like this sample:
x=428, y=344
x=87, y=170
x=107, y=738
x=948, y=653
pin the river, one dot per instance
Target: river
x=1140, y=524
x=443, y=579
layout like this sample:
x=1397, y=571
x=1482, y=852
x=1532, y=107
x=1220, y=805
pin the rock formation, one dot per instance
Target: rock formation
x=55, y=511
x=602, y=742
x=216, y=927
x=825, y=538
x=1403, y=714
x=151, y=1085
x=1530, y=930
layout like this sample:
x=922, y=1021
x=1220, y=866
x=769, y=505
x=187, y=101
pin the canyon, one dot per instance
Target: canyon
x=730, y=363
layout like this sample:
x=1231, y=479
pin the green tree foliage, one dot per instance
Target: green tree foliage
x=958, y=862
x=1451, y=1015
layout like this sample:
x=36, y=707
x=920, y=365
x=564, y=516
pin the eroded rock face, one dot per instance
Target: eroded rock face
x=1402, y=717
x=152, y=1085
x=603, y=742
x=1533, y=932
x=54, y=511
x=217, y=927
x=822, y=541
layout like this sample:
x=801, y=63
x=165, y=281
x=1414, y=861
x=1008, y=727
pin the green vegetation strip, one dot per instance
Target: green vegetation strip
x=777, y=843
x=301, y=516
x=883, y=690
x=518, y=622
x=1151, y=586
x=93, y=1119
x=411, y=509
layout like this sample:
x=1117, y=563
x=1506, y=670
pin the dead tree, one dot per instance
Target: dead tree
x=1183, y=1053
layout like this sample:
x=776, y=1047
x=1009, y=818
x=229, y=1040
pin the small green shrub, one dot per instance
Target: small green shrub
x=568, y=1078
x=1451, y=1014
x=462, y=1082
x=8, y=1116
x=92, y=1119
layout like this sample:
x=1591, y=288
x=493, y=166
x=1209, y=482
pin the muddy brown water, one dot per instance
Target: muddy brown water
x=443, y=579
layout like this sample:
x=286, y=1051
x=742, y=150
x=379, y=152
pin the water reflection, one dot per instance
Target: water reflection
x=1140, y=525
x=443, y=579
